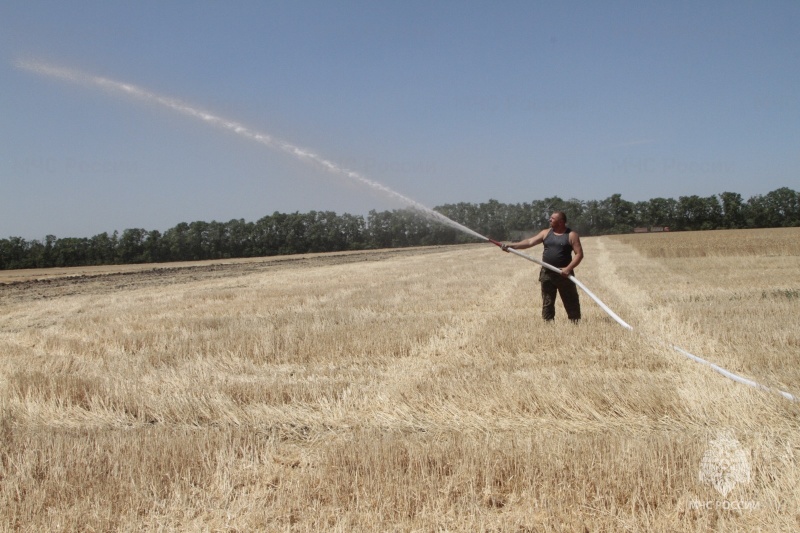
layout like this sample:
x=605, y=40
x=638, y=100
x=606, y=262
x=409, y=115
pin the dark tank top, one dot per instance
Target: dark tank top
x=557, y=249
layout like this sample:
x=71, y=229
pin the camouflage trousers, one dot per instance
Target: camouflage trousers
x=552, y=283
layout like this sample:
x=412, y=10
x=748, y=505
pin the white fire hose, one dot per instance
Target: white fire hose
x=716, y=368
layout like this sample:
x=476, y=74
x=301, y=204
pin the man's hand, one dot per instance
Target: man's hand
x=505, y=247
x=566, y=272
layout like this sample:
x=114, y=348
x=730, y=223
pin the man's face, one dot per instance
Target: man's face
x=555, y=220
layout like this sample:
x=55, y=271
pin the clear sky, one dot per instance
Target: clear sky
x=442, y=101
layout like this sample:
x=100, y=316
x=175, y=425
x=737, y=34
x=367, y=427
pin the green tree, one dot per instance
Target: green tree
x=783, y=208
x=353, y=229
x=699, y=213
x=176, y=243
x=621, y=213
x=15, y=253
x=662, y=212
x=597, y=218
x=131, y=248
x=240, y=238
x=70, y=251
x=733, y=212
x=102, y=249
x=154, y=251
x=379, y=228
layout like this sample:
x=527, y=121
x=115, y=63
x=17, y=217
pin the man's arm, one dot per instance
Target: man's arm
x=529, y=242
x=577, y=249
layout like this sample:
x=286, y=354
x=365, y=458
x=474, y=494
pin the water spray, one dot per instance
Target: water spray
x=308, y=156
x=303, y=154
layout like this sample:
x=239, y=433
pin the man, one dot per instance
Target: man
x=560, y=242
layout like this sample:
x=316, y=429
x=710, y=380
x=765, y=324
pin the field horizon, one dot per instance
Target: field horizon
x=406, y=390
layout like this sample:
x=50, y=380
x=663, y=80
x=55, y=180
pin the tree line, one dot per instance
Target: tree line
x=326, y=231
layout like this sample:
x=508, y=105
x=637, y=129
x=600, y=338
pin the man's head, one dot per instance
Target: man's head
x=558, y=220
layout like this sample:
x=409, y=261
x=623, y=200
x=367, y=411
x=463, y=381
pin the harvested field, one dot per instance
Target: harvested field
x=412, y=390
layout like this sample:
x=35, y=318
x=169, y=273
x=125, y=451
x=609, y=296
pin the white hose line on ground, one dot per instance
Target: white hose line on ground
x=731, y=375
x=716, y=368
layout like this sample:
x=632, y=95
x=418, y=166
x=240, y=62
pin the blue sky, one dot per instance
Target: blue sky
x=442, y=101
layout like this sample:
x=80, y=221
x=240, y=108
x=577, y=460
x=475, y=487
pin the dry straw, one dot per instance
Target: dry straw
x=407, y=391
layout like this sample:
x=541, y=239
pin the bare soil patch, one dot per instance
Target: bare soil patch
x=19, y=285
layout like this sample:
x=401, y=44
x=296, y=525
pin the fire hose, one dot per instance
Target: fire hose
x=716, y=368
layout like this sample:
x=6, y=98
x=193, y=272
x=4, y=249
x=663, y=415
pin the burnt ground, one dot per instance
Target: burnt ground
x=40, y=284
